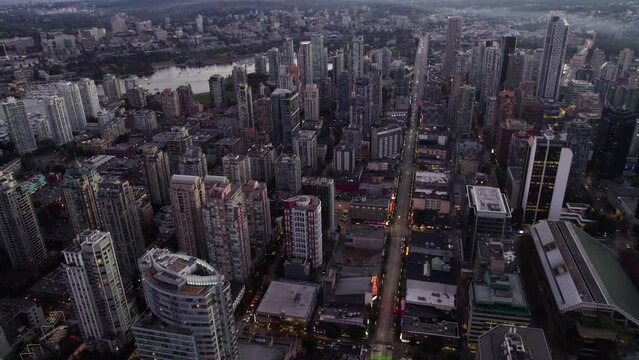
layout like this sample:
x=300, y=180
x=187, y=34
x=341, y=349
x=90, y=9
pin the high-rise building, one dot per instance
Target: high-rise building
x=20, y=130
x=356, y=65
x=263, y=117
x=285, y=115
x=305, y=147
x=237, y=168
x=261, y=64
x=96, y=288
x=504, y=136
x=179, y=140
x=73, y=100
x=226, y=230
x=199, y=324
x=274, y=63
x=89, y=96
x=199, y=23
x=130, y=82
x=285, y=78
x=614, y=136
x=244, y=98
x=118, y=24
x=324, y=190
x=465, y=111
x=288, y=53
x=515, y=71
x=137, y=97
x=59, y=120
x=111, y=86
x=258, y=215
x=239, y=76
x=303, y=229
x=185, y=97
x=344, y=158
x=119, y=214
x=261, y=158
x=626, y=57
x=311, y=102
x=305, y=62
x=158, y=172
x=488, y=217
x=490, y=70
x=187, y=199
x=546, y=172
x=216, y=91
x=386, y=141
x=574, y=90
x=361, y=109
x=319, y=57
x=553, y=57
x=508, y=46
x=580, y=136
x=20, y=233
x=288, y=173
x=80, y=189
x=170, y=104
x=145, y=120
x=453, y=40
x=193, y=162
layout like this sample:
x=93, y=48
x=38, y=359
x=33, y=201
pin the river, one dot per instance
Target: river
x=198, y=77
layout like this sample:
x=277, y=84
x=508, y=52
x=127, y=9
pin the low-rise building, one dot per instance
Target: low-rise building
x=288, y=303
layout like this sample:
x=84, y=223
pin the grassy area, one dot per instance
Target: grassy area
x=202, y=98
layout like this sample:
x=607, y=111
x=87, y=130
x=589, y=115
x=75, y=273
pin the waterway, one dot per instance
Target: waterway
x=197, y=77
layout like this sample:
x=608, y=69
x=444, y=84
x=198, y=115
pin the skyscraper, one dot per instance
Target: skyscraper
x=157, y=171
x=324, y=190
x=491, y=71
x=553, y=57
x=137, y=97
x=261, y=159
x=226, y=230
x=580, y=136
x=170, y=104
x=179, y=140
x=305, y=147
x=305, y=62
x=311, y=102
x=244, y=97
x=193, y=162
x=274, y=63
x=285, y=115
x=319, y=57
x=89, y=95
x=20, y=234
x=545, y=178
x=303, y=229
x=96, y=288
x=185, y=97
x=59, y=120
x=200, y=325
x=261, y=64
x=626, y=57
x=80, y=189
x=237, y=168
x=343, y=91
x=216, y=91
x=465, y=111
x=74, y=103
x=357, y=57
x=453, y=39
x=288, y=173
x=20, y=130
x=111, y=86
x=187, y=198
x=238, y=76
x=508, y=46
x=258, y=215
x=119, y=215
x=614, y=136
x=288, y=53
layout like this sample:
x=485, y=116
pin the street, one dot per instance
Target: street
x=400, y=226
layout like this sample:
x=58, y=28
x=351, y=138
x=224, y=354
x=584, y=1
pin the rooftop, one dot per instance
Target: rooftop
x=529, y=342
x=582, y=272
x=289, y=299
x=431, y=177
x=487, y=199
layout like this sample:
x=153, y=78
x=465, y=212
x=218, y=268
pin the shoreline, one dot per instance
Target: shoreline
x=219, y=61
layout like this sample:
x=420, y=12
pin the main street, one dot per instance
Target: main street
x=400, y=227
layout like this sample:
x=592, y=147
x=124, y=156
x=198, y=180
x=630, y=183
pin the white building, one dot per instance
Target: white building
x=96, y=287
x=303, y=229
x=553, y=57
x=73, y=100
x=89, y=95
x=237, y=168
x=305, y=146
x=386, y=141
x=59, y=120
x=311, y=102
x=245, y=106
x=190, y=312
x=344, y=158
x=20, y=130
